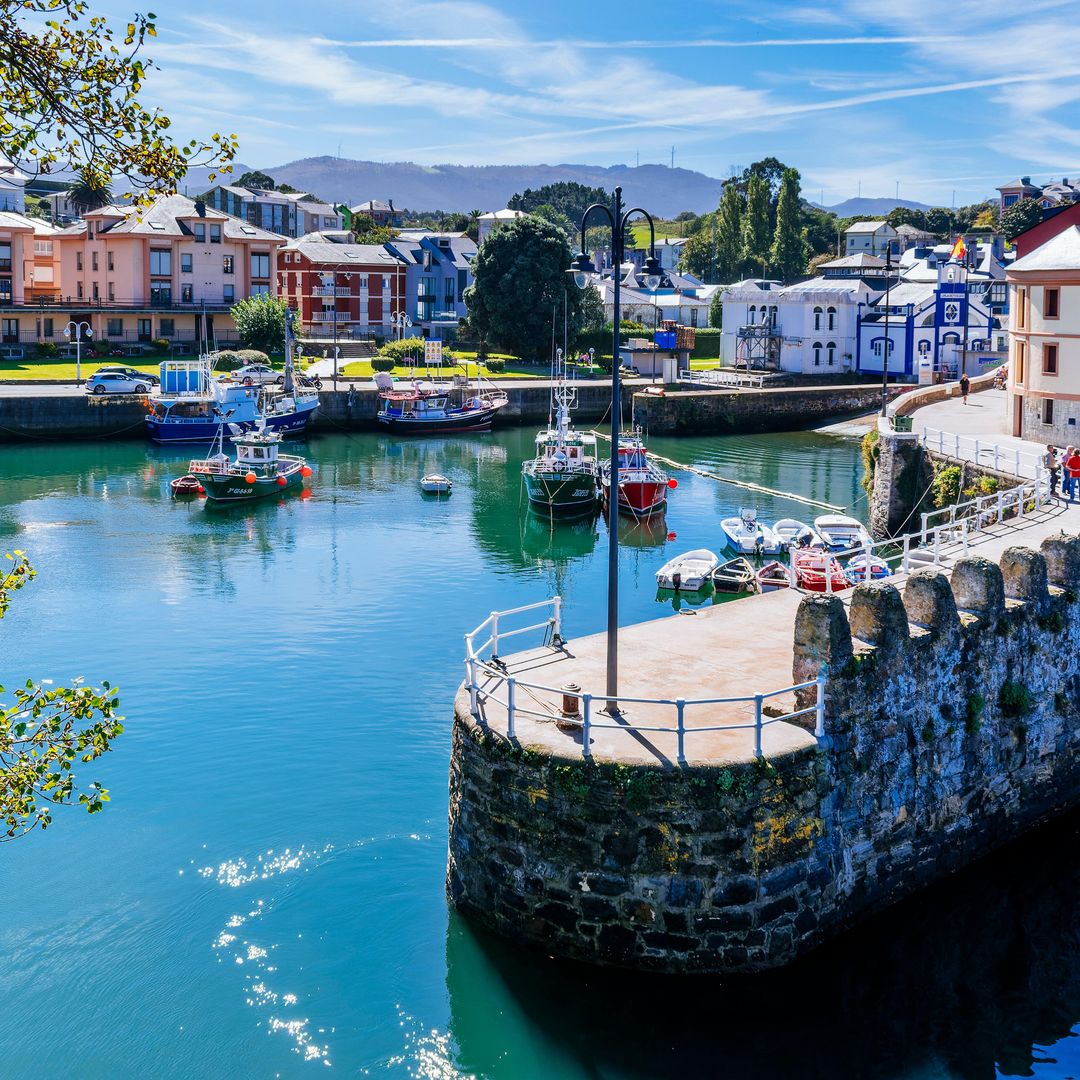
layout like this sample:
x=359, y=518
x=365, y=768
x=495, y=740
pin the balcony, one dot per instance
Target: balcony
x=328, y=317
x=330, y=290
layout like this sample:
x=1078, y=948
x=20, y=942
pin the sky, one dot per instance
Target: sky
x=939, y=102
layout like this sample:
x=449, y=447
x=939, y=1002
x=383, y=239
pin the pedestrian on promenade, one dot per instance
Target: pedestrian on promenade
x=965, y=386
x=1052, y=465
x=1071, y=465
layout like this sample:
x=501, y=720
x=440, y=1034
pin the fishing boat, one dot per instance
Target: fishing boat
x=817, y=571
x=748, y=535
x=436, y=484
x=842, y=533
x=564, y=476
x=734, y=576
x=772, y=576
x=437, y=408
x=867, y=568
x=642, y=485
x=793, y=533
x=689, y=571
x=187, y=485
x=258, y=471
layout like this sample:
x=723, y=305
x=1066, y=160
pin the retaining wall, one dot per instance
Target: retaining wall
x=953, y=723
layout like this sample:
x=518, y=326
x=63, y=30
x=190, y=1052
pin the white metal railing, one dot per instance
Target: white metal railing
x=330, y=290
x=721, y=377
x=1015, y=461
x=503, y=688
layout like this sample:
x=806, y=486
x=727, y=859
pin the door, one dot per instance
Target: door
x=1018, y=416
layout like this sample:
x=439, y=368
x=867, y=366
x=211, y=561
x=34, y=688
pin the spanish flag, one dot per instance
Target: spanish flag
x=959, y=252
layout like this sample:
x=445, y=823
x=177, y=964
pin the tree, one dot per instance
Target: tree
x=558, y=219
x=473, y=229
x=520, y=279
x=788, y=252
x=755, y=224
x=592, y=310
x=818, y=261
x=260, y=321
x=985, y=219
x=568, y=197
x=69, y=96
x=939, y=221
x=820, y=227
x=729, y=233
x=905, y=215
x=84, y=196
x=699, y=252
x=365, y=231
x=287, y=189
x=1020, y=217
x=256, y=180
x=43, y=732
x=716, y=309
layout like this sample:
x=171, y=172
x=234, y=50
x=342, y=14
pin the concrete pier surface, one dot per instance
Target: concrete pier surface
x=734, y=649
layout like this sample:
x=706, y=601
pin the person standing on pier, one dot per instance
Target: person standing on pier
x=1071, y=465
x=1052, y=465
x=965, y=386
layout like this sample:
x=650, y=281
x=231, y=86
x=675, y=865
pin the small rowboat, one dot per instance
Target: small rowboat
x=187, y=485
x=689, y=571
x=817, y=572
x=734, y=576
x=773, y=575
x=793, y=533
x=857, y=569
x=436, y=484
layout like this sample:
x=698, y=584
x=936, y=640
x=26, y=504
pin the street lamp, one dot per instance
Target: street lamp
x=886, y=343
x=78, y=327
x=399, y=320
x=581, y=270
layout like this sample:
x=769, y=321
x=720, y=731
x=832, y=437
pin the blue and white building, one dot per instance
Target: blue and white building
x=438, y=271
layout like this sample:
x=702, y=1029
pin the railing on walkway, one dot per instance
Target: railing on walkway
x=1014, y=461
x=506, y=690
x=722, y=377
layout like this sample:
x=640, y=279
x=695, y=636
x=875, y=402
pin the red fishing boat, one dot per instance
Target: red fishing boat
x=643, y=486
x=816, y=571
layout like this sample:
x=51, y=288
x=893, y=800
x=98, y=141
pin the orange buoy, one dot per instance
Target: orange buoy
x=673, y=483
x=281, y=481
x=202, y=490
x=249, y=478
x=305, y=470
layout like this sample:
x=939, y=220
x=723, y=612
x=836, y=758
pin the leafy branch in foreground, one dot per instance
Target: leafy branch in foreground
x=42, y=734
x=69, y=98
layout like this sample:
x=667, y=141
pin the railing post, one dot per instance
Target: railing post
x=1038, y=487
x=907, y=548
x=976, y=451
x=557, y=603
x=586, y=723
x=1000, y=507
x=941, y=442
x=1020, y=500
x=474, y=703
x=680, y=706
x=758, y=699
x=964, y=536
x=997, y=453
x=922, y=540
x=937, y=546
x=494, y=634
x=819, y=726
x=957, y=454
x=511, y=691
x=1018, y=461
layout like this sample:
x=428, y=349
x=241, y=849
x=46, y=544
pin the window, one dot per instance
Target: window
x=924, y=347
x=261, y=289
x=385, y=282
x=1051, y=303
x=160, y=293
x=109, y=261
x=5, y=257
x=1021, y=357
x=145, y=333
x=228, y=293
x=449, y=285
x=166, y=328
x=78, y=289
x=47, y=328
x=200, y=232
x=5, y=290
x=363, y=281
x=693, y=316
x=42, y=247
x=817, y=318
x=832, y=318
x=96, y=296
x=226, y=264
x=831, y=348
x=185, y=294
x=185, y=263
x=115, y=328
x=1050, y=359
x=951, y=339
x=772, y=317
x=78, y=259
x=751, y=314
x=112, y=294
x=11, y=330
x=1009, y=200
x=260, y=264
x=1048, y=410
x=160, y=262
x=880, y=343
x=215, y=234
x=93, y=260
x=817, y=354
x=1020, y=309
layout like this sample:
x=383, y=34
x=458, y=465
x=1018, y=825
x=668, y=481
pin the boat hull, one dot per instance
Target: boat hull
x=639, y=498
x=203, y=431
x=560, y=493
x=232, y=488
x=479, y=420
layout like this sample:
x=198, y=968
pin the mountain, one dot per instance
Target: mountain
x=661, y=190
x=859, y=207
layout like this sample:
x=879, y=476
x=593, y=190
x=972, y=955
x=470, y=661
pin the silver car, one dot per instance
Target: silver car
x=115, y=382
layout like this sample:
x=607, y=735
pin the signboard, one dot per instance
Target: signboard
x=951, y=307
x=433, y=353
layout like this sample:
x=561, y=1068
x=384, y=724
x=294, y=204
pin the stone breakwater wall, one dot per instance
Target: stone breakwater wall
x=731, y=412
x=952, y=725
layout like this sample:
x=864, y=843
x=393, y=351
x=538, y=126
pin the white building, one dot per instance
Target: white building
x=490, y=221
x=871, y=238
x=12, y=188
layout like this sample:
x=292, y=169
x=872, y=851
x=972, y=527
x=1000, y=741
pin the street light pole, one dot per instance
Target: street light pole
x=580, y=270
x=78, y=327
x=886, y=343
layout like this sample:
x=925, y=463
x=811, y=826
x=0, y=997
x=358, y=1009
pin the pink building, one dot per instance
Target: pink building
x=29, y=281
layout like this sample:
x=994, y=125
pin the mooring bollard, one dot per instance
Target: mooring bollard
x=571, y=713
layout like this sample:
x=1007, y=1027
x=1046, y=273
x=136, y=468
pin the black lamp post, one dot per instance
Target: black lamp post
x=887, y=342
x=580, y=270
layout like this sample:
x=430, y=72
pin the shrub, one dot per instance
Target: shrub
x=161, y=344
x=226, y=361
x=104, y=347
x=496, y=367
x=403, y=349
x=1015, y=699
x=871, y=451
x=946, y=486
x=988, y=485
x=383, y=363
x=47, y=348
x=252, y=356
x=976, y=706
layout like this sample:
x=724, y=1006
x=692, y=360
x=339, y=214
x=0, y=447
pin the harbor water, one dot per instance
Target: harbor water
x=263, y=897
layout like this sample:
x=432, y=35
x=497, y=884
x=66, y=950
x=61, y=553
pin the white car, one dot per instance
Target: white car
x=116, y=382
x=252, y=375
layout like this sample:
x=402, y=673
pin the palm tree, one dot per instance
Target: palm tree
x=85, y=195
x=473, y=228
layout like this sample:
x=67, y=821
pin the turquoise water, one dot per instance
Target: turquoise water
x=264, y=895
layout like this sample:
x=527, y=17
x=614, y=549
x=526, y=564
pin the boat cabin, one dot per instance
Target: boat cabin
x=257, y=450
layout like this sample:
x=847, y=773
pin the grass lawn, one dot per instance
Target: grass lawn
x=361, y=369
x=664, y=231
x=65, y=369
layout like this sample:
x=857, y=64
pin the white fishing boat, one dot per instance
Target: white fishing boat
x=794, y=533
x=862, y=568
x=436, y=484
x=689, y=571
x=749, y=536
x=842, y=533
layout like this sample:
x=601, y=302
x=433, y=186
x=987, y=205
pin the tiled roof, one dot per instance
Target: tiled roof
x=1061, y=252
x=866, y=226
x=169, y=216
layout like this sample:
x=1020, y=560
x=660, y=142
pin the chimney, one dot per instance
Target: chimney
x=1025, y=180
x=390, y=203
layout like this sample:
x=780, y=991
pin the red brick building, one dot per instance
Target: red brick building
x=340, y=289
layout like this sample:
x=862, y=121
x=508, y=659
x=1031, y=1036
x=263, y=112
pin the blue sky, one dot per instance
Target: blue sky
x=940, y=97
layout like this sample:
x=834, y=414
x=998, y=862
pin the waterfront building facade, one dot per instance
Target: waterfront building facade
x=1044, y=342
x=438, y=271
x=290, y=214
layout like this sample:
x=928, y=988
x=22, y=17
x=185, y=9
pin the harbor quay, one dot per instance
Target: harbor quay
x=67, y=412
x=801, y=761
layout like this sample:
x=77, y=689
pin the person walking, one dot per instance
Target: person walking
x=1052, y=465
x=965, y=386
x=1072, y=472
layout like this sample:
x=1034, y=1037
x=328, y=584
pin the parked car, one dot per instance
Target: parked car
x=130, y=372
x=252, y=375
x=113, y=382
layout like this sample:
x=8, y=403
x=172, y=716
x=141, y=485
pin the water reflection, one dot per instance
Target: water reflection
x=975, y=978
